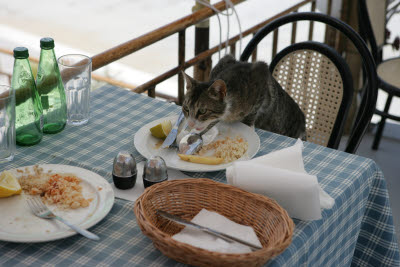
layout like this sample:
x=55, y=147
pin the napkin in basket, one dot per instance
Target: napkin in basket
x=281, y=175
x=215, y=221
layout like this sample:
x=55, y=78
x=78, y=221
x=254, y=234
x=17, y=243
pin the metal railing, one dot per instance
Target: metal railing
x=179, y=27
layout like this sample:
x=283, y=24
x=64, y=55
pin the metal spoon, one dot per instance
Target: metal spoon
x=193, y=142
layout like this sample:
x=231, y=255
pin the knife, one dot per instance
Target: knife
x=223, y=236
x=173, y=133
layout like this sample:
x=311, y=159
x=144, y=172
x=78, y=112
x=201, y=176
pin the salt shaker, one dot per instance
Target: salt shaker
x=124, y=170
x=154, y=171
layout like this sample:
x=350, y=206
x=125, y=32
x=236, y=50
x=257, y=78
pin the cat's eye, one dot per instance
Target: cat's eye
x=202, y=111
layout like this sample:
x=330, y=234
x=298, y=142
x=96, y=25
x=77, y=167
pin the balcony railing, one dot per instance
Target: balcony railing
x=179, y=27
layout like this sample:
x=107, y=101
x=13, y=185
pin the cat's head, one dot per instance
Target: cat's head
x=204, y=102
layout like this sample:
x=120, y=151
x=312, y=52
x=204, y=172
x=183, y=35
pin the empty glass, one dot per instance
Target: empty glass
x=7, y=123
x=76, y=73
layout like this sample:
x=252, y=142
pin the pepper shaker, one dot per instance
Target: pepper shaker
x=154, y=171
x=124, y=170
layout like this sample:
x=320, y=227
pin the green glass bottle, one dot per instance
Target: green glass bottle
x=28, y=110
x=51, y=89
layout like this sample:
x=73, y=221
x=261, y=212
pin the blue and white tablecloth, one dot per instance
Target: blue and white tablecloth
x=357, y=231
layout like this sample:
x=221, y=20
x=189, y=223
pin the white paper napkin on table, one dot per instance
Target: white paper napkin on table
x=281, y=175
x=135, y=192
x=221, y=224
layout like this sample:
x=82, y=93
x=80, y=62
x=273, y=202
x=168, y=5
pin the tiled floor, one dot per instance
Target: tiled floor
x=388, y=159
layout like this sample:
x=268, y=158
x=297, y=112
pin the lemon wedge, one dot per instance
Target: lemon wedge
x=9, y=184
x=161, y=130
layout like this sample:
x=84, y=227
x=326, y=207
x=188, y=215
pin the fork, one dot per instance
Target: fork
x=41, y=210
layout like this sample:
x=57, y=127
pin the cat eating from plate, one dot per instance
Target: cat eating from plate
x=241, y=91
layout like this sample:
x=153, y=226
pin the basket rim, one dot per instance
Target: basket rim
x=138, y=208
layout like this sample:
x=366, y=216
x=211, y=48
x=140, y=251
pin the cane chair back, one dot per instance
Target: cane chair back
x=319, y=81
x=370, y=83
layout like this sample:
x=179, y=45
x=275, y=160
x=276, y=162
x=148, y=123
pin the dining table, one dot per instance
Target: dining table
x=358, y=230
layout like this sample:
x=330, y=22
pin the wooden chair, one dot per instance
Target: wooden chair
x=372, y=21
x=319, y=80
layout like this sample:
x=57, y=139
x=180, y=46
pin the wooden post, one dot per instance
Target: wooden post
x=330, y=33
x=311, y=29
x=202, y=43
x=232, y=49
x=152, y=92
x=294, y=32
x=181, y=62
x=350, y=16
x=275, y=37
x=254, y=54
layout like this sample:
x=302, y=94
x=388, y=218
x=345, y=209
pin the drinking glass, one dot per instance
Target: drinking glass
x=76, y=73
x=7, y=123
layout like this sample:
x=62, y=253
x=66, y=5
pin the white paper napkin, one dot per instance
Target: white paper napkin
x=281, y=176
x=135, y=192
x=222, y=224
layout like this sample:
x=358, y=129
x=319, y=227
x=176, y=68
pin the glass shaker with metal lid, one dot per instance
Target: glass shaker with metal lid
x=154, y=171
x=124, y=170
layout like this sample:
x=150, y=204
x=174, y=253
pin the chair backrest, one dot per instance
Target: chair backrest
x=320, y=82
x=368, y=101
x=372, y=23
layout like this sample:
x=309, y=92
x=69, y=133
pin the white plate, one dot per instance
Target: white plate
x=18, y=224
x=145, y=144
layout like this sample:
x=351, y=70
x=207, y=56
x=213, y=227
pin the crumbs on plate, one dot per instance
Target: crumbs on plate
x=229, y=149
x=61, y=189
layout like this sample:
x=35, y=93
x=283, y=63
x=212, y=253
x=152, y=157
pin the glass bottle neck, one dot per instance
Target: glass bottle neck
x=22, y=81
x=22, y=62
x=47, y=62
x=22, y=71
x=47, y=53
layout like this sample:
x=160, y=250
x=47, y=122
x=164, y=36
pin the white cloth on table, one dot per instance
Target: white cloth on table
x=281, y=175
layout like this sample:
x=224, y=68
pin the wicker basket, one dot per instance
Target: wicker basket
x=185, y=198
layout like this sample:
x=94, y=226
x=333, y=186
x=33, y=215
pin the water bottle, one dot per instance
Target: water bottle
x=51, y=89
x=28, y=109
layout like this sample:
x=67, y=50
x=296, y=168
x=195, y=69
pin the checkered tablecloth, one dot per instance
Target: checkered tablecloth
x=358, y=230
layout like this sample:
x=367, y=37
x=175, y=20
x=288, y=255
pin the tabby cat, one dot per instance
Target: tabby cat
x=246, y=92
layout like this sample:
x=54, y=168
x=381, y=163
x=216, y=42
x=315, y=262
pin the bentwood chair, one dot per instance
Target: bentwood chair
x=320, y=82
x=372, y=21
x=318, y=79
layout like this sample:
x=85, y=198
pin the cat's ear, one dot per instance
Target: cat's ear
x=189, y=81
x=217, y=90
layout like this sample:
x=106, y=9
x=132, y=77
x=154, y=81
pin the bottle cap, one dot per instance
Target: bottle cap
x=47, y=43
x=21, y=52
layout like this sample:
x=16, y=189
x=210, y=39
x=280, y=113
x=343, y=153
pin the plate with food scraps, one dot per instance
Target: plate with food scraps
x=229, y=137
x=78, y=195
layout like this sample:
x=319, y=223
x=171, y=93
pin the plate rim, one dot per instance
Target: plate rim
x=220, y=167
x=108, y=204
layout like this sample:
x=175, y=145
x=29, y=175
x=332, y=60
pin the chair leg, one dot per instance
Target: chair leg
x=381, y=124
